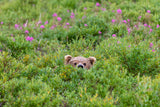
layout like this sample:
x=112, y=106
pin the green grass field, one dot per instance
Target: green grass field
x=123, y=35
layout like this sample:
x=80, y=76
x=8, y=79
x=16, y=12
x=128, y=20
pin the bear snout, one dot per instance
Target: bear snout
x=80, y=66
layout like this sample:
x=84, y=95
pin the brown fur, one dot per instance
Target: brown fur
x=87, y=63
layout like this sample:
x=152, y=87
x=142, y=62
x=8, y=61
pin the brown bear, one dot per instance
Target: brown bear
x=80, y=62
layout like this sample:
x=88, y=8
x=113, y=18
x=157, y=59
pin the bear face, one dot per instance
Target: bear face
x=80, y=62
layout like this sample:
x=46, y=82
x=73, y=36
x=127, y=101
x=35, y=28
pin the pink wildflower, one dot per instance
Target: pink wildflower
x=153, y=50
x=99, y=32
x=119, y=11
x=14, y=39
x=103, y=9
x=114, y=35
x=1, y=23
x=85, y=25
x=25, y=25
x=54, y=15
x=42, y=26
x=149, y=26
x=98, y=4
x=129, y=30
x=145, y=25
x=128, y=20
x=118, y=42
x=129, y=46
x=148, y=11
x=0, y=50
x=68, y=11
x=85, y=8
x=20, y=28
x=113, y=20
x=46, y=23
x=151, y=44
x=124, y=21
x=11, y=34
x=72, y=17
x=29, y=38
x=157, y=25
x=135, y=26
x=67, y=23
x=39, y=22
x=59, y=18
x=139, y=17
x=72, y=14
x=150, y=30
x=64, y=26
x=53, y=26
x=26, y=31
x=16, y=26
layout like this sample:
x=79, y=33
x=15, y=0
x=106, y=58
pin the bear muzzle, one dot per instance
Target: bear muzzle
x=80, y=66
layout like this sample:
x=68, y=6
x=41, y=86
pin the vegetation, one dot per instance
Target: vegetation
x=123, y=35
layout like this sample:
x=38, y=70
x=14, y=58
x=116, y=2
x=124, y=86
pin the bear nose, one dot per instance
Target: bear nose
x=80, y=66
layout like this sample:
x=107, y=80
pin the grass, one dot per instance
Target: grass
x=32, y=70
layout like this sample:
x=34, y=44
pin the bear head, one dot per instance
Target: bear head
x=80, y=62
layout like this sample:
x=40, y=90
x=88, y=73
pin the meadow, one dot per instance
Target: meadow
x=123, y=36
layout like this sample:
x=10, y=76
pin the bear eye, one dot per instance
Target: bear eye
x=84, y=64
x=75, y=63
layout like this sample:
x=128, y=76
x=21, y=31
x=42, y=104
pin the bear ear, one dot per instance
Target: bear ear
x=92, y=60
x=67, y=58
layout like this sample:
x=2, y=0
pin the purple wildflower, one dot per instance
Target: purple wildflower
x=114, y=35
x=16, y=26
x=139, y=17
x=42, y=26
x=153, y=50
x=29, y=38
x=26, y=31
x=113, y=20
x=85, y=25
x=59, y=18
x=99, y=32
x=145, y=25
x=151, y=44
x=46, y=22
x=67, y=23
x=148, y=11
x=54, y=15
x=124, y=21
x=119, y=11
x=98, y=4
